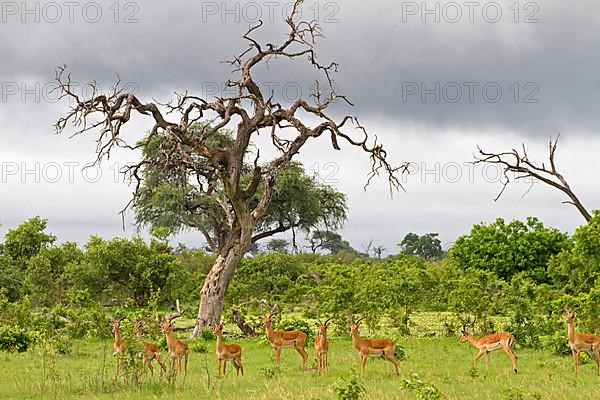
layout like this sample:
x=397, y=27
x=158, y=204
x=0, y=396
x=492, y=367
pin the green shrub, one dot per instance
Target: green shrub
x=197, y=346
x=208, y=335
x=14, y=339
x=353, y=390
x=297, y=324
x=399, y=352
x=557, y=344
x=422, y=389
x=62, y=344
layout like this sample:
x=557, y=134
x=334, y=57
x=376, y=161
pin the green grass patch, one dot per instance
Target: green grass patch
x=433, y=366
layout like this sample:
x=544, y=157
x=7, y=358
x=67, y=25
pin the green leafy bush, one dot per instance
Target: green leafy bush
x=399, y=352
x=14, y=339
x=422, y=389
x=297, y=324
x=197, y=346
x=352, y=390
x=208, y=335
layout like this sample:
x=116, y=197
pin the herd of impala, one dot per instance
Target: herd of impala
x=178, y=350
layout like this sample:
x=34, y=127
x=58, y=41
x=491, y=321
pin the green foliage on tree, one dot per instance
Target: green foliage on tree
x=278, y=246
x=25, y=241
x=120, y=268
x=330, y=241
x=576, y=269
x=426, y=246
x=172, y=197
x=275, y=277
x=507, y=249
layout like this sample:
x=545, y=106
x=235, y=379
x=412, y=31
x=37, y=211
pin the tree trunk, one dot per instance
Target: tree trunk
x=240, y=321
x=212, y=295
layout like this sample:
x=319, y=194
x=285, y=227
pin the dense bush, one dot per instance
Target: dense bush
x=14, y=339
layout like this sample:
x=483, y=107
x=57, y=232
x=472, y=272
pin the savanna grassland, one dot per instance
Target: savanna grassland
x=443, y=363
x=58, y=302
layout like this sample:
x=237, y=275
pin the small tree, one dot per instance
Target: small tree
x=278, y=245
x=220, y=165
x=427, y=246
x=507, y=249
x=328, y=240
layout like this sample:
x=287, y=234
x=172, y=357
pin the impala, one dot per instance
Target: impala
x=489, y=343
x=581, y=342
x=178, y=349
x=228, y=352
x=151, y=350
x=119, y=343
x=279, y=339
x=372, y=348
x=322, y=346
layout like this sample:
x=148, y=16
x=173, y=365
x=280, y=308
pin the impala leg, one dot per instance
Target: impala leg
x=163, y=368
x=596, y=356
x=512, y=356
x=363, y=362
x=389, y=354
x=303, y=354
x=241, y=365
x=326, y=362
x=224, y=366
x=185, y=365
x=477, y=357
x=219, y=366
x=148, y=364
x=576, y=360
x=278, y=356
x=318, y=363
x=487, y=359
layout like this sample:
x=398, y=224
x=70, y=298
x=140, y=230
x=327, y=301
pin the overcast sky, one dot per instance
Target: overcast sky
x=432, y=82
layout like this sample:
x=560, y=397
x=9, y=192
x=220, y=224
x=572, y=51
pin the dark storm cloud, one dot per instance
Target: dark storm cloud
x=396, y=61
x=437, y=63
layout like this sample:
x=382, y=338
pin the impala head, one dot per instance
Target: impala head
x=217, y=328
x=466, y=330
x=355, y=325
x=268, y=319
x=569, y=315
x=322, y=326
x=116, y=324
x=167, y=324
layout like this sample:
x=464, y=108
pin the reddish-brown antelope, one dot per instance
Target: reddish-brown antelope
x=372, y=348
x=280, y=339
x=228, y=352
x=489, y=343
x=119, y=344
x=322, y=346
x=581, y=342
x=151, y=351
x=178, y=349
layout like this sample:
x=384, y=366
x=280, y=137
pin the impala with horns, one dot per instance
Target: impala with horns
x=227, y=352
x=489, y=343
x=280, y=339
x=178, y=349
x=322, y=346
x=581, y=342
x=372, y=348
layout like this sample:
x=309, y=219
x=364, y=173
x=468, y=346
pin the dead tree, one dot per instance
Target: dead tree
x=518, y=163
x=218, y=169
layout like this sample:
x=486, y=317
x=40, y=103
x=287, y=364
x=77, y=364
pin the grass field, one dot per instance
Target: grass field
x=88, y=373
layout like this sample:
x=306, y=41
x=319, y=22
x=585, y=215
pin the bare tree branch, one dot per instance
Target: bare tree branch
x=519, y=163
